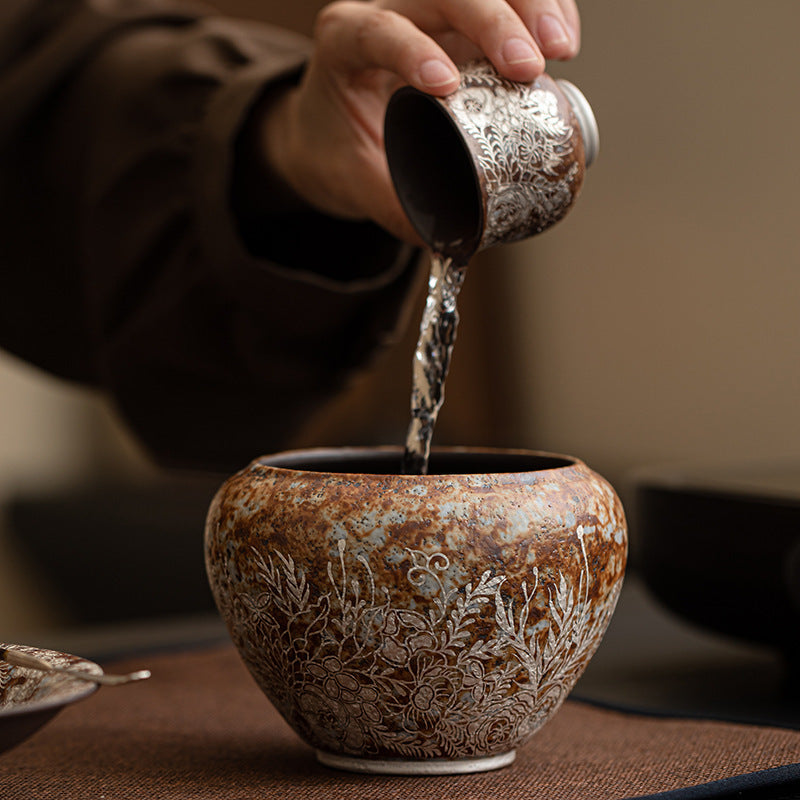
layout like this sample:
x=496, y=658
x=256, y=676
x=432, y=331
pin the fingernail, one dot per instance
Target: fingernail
x=552, y=31
x=518, y=51
x=436, y=73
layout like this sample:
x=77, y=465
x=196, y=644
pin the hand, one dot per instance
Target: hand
x=325, y=137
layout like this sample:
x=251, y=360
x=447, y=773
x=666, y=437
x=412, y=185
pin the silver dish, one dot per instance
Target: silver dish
x=30, y=698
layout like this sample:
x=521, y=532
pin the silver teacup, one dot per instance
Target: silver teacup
x=494, y=162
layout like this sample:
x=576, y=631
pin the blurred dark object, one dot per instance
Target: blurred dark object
x=721, y=548
x=119, y=552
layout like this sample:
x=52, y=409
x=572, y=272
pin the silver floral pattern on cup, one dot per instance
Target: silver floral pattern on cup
x=495, y=162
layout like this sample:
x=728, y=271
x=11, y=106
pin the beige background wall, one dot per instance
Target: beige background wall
x=53, y=436
x=659, y=322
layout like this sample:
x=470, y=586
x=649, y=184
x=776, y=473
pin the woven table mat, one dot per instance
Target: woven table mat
x=200, y=728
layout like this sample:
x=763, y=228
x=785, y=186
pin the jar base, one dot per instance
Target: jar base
x=422, y=766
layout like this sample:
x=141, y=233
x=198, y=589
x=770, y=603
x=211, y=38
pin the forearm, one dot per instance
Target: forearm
x=125, y=263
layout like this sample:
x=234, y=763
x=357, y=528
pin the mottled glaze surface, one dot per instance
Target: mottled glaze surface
x=413, y=617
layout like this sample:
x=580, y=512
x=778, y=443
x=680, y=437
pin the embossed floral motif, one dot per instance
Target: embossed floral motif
x=20, y=685
x=9, y=679
x=523, y=142
x=470, y=670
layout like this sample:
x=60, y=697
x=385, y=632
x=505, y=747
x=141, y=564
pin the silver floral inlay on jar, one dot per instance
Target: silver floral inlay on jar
x=368, y=663
x=414, y=624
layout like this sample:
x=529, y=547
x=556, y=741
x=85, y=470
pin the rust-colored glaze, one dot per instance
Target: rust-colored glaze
x=416, y=617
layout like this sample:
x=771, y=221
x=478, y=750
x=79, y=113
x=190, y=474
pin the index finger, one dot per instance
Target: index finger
x=494, y=26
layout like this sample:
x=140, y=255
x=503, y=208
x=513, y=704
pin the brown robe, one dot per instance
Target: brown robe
x=129, y=260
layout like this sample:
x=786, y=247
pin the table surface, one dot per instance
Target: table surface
x=201, y=729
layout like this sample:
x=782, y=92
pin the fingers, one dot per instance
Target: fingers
x=353, y=37
x=516, y=35
x=493, y=26
x=572, y=17
x=363, y=48
x=507, y=32
x=555, y=25
x=397, y=35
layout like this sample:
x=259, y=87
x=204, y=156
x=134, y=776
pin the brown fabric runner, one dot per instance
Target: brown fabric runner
x=200, y=728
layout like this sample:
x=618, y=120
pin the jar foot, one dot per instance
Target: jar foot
x=422, y=766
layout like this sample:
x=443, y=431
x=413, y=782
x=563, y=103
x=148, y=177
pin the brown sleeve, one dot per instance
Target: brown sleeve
x=125, y=264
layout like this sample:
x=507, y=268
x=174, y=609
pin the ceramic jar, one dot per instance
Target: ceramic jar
x=416, y=623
